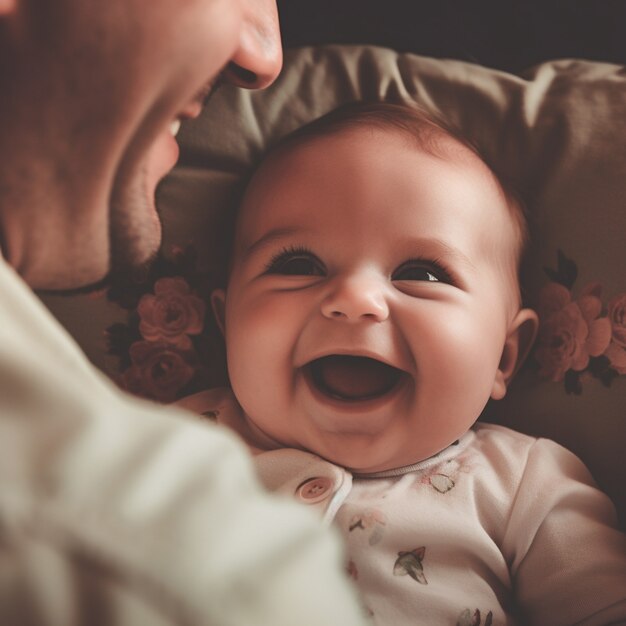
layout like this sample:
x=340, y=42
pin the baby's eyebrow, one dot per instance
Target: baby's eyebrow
x=269, y=238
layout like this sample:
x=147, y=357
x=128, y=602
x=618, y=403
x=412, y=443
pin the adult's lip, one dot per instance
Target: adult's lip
x=162, y=156
x=353, y=378
x=166, y=149
x=194, y=107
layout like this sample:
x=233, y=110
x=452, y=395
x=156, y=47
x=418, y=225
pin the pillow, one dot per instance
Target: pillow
x=557, y=132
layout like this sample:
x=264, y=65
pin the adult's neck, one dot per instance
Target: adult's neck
x=47, y=223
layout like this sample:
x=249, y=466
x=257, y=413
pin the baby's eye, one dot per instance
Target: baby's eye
x=296, y=263
x=416, y=270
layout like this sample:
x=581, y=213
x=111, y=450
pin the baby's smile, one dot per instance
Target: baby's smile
x=352, y=378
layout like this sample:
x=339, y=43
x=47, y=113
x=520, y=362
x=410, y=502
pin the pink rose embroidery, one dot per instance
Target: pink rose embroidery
x=158, y=370
x=163, y=347
x=616, y=351
x=571, y=331
x=171, y=314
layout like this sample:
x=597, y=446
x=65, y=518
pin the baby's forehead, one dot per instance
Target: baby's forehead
x=293, y=160
x=348, y=148
x=310, y=159
x=434, y=142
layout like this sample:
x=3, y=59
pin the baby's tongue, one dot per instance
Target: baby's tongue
x=353, y=377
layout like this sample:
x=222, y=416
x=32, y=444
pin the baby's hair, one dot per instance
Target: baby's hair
x=425, y=128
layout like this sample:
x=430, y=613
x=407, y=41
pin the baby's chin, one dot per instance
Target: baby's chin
x=360, y=457
x=369, y=457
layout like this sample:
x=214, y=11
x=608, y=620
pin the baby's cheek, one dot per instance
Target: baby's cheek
x=257, y=342
x=461, y=356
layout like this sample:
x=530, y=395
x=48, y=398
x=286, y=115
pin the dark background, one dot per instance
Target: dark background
x=507, y=35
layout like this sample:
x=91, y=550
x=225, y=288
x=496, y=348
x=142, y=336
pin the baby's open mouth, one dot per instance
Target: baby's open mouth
x=353, y=378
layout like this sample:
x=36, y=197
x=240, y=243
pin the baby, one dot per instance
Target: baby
x=372, y=310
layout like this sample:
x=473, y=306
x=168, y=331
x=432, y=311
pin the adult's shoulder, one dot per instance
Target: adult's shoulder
x=112, y=503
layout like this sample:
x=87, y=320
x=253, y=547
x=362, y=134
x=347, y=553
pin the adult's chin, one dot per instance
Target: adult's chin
x=135, y=223
x=135, y=229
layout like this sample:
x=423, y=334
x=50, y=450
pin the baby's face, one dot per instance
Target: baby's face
x=369, y=300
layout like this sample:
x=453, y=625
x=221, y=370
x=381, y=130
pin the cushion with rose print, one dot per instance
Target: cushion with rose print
x=557, y=132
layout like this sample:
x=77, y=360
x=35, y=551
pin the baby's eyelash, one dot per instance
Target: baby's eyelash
x=286, y=253
x=442, y=270
x=433, y=265
x=296, y=261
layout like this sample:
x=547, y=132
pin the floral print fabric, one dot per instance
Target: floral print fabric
x=579, y=335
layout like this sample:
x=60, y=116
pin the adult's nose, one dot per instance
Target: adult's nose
x=357, y=297
x=258, y=59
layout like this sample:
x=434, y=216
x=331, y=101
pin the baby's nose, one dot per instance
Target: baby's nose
x=356, y=298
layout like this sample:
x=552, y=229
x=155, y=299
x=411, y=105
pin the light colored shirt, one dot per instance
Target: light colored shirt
x=118, y=511
x=499, y=528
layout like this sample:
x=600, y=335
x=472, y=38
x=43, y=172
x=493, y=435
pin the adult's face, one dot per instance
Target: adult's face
x=107, y=84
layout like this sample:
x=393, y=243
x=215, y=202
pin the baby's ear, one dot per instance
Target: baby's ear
x=520, y=338
x=218, y=304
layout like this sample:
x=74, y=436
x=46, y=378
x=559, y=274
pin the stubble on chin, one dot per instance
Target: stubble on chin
x=135, y=229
